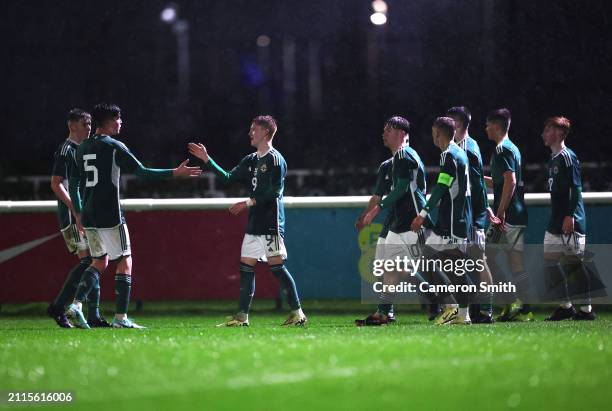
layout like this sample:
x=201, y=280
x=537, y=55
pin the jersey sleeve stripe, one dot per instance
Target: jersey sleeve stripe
x=566, y=158
x=64, y=149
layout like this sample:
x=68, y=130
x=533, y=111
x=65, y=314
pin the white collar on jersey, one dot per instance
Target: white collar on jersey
x=264, y=154
x=553, y=155
x=72, y=141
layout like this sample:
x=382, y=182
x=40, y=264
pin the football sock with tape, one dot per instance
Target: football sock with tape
x=286, y=280
x=89, y=279
x=93, y=302
x=123, y=287
x=247, y=287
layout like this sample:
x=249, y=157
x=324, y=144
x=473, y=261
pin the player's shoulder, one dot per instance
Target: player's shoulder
x=65, y=147
x=408, y=154
x=507, y=147
x=472, y=145
x=276, y=158
x=458, y=152
x=446, y=155
x=113, y=142
x=568, y=156
x=455, y=152
x=386, y=164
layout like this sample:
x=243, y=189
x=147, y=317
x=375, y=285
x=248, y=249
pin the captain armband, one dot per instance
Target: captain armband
x=445, y=179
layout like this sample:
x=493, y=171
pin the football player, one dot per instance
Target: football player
x=566, y=232
x=264, y=172
x=510, y=220
x=100, y=160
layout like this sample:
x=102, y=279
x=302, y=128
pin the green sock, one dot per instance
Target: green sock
x=247, y=287
x=89, y=279
x=287, y=282
x=93, y=303
x=123, y=286
x=68, y=291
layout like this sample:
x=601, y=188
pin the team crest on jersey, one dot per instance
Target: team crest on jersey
x=556, y=170
x=263, y=168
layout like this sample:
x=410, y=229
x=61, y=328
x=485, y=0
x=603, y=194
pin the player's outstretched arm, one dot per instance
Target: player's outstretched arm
x=185, y=171
x=199, y=151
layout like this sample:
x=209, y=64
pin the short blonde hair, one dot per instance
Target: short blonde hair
x=266, y=122
x=559, y=122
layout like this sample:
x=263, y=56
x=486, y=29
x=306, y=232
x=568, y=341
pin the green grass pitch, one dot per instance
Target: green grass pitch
x=182, y=361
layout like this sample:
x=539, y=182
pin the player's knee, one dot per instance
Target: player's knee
x=125, y=265
x=100, y=263
x=278, y=270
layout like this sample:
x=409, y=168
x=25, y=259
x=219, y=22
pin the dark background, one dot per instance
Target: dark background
x=538, y=58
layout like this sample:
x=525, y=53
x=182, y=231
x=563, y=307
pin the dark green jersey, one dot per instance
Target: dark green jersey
x=265, y=177
x=455, y=211
x=565, y=186
x=407, y=195
x=507, y=157
x=382, y=188
x=64, y=164
x=100, y=162
x=478, y=189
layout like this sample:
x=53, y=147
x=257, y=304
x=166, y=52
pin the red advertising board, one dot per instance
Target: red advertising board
x=177, y=255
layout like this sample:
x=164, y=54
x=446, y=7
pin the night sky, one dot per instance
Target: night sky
x=329, y=76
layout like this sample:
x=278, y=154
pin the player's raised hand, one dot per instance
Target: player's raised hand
x=198, y=150
x=238, y=208
x=185, y=171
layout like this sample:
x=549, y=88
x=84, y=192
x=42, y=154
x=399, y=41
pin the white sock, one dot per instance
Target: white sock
x=299, y=312
x=121, y=317
x=586, y=308
x=450, y=306
x=463, y=312
x=79, y=305
x=566, y=305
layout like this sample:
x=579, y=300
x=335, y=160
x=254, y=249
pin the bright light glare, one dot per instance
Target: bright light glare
x=379, y=6
x=378, y=18
x=168, y=15
x=263, y=41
